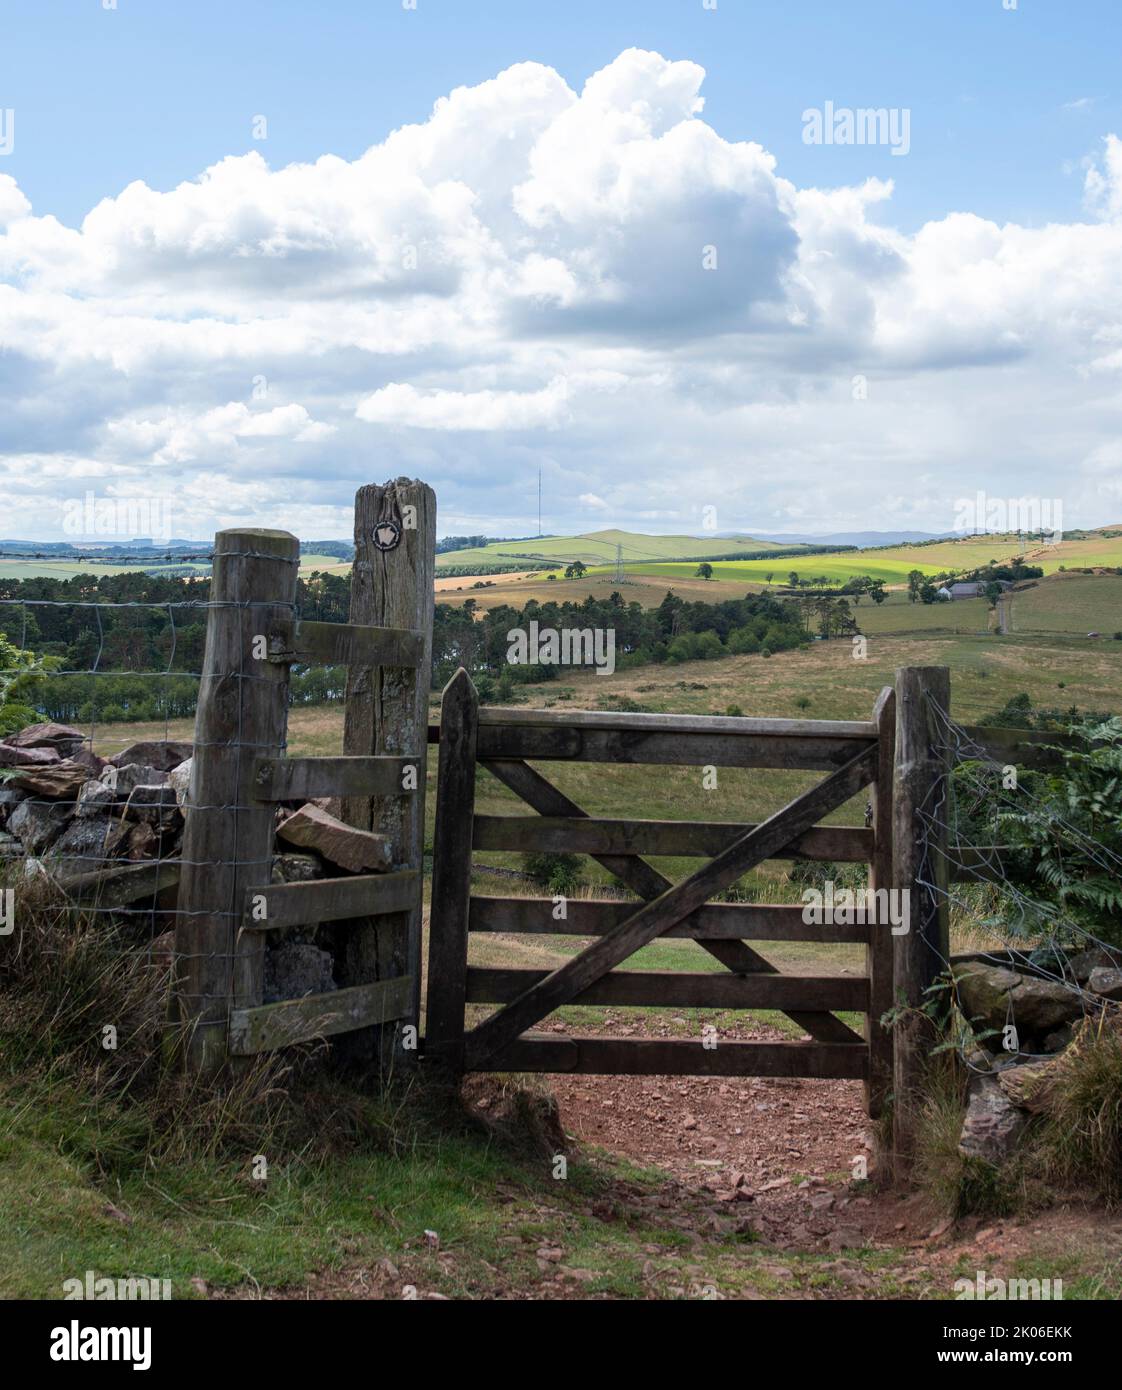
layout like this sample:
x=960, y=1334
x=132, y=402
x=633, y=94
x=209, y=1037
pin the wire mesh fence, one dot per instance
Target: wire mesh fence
x=94, y=798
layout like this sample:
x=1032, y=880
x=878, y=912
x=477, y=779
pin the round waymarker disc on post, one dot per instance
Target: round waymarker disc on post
x=387, y=534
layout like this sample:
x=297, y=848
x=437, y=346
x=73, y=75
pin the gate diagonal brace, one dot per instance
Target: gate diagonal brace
x=643, y=878
x=666, y=904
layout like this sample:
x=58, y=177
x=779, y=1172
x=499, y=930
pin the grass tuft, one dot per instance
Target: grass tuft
x=1080, y=1141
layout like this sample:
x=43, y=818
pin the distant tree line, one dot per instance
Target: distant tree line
x=130, y=646
x=675, y=631
x=1014, y=572
x=343, y=550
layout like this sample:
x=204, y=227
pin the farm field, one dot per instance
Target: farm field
x=1061, y=603
x=325, y=564
x=652, y=559
x=67, y=569
x=1078, y=603
x=659, y=556
x=648, y=590
x=600, y=546
x=898, y=615
x=1103, y=547
x=893, y=564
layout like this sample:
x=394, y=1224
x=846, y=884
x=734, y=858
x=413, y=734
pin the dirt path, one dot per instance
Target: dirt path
x=794, y=1148
x=787, y=1152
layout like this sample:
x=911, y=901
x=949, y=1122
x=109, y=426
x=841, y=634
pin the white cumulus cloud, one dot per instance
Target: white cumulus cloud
x=594, y=281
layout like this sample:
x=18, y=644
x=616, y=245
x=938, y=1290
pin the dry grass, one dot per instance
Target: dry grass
x=67, y=977
x=1081, y=1139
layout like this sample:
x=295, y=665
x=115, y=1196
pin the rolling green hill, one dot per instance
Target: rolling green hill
x=599, y=547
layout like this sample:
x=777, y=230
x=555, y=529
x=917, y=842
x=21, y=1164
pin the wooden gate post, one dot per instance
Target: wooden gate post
x=880, y=950
x=387, y=713
x=920, y=796
x=242, y=714
x=451, y=877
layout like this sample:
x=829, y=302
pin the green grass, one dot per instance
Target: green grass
x=900, y=617
x=322, y=1222
x=331, y=563
x=213, y=1221
x=326, y=1216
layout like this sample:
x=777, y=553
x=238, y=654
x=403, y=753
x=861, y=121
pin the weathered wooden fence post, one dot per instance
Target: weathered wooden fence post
x=387, y=713
x=920, y=799
x=451, y=877
x=242, y=714
x=880, y=950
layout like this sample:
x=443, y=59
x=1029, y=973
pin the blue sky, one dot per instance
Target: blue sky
x=483, y=239
x=159, y=90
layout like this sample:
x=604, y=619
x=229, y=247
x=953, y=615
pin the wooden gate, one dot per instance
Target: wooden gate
x=854, y=754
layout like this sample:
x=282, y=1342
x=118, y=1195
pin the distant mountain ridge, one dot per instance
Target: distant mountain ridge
x=105, y=546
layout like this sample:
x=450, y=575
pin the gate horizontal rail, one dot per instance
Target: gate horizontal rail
x=647, y=1057
x=537, y=834
x=642, y=988
x=714, y=921
x=689, y=740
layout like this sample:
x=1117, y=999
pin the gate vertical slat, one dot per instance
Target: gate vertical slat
x=451, y=876
x=919, y=869
x=880, y=949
